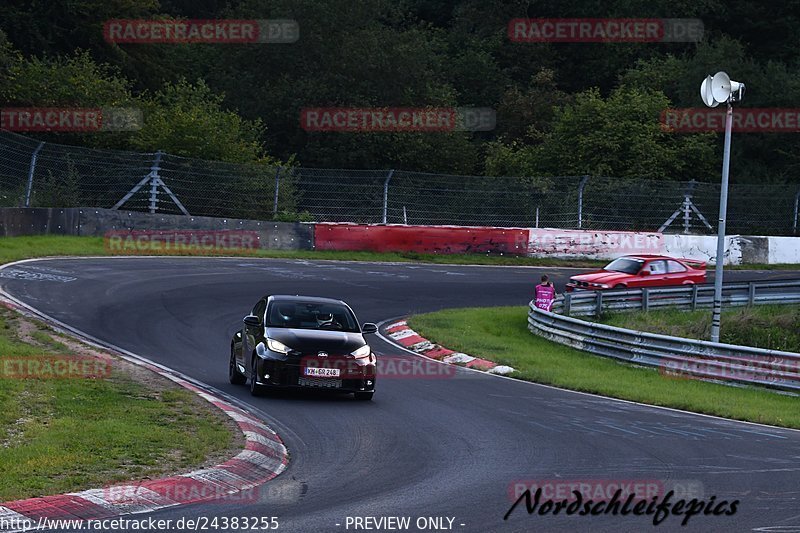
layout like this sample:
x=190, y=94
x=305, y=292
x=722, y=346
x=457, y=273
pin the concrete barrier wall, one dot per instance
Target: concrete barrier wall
x=783, y=250
x=534, y=242
x=421, y=239
x=587, y=244
x=82, y=221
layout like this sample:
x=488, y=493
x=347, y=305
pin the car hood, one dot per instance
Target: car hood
x=314, y=340
x=603, y=276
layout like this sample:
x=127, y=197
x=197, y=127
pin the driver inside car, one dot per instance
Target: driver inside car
x=326, y=321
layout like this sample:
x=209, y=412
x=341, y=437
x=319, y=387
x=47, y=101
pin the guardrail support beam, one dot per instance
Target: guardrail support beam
x=598, y=304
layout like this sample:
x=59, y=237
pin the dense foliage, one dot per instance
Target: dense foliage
x=562, y=109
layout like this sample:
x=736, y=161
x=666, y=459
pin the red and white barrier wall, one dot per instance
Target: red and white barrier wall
x=551, y=242
x=420, y=239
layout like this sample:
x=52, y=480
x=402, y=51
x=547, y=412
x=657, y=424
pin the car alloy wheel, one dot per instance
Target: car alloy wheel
x=255, y=388
x=234, y=376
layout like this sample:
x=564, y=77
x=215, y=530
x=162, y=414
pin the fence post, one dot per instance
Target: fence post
x=751, y=293
x=598, y=304
x=567, y=303
x=645, y=300
x=405, y=216
x=581, y=186
x=687, y=205
x=796, y=205
x=29, y=188
x=154, y=182
x=537, y=217
x=277, y=187
x=695, y=290
x=386, y=195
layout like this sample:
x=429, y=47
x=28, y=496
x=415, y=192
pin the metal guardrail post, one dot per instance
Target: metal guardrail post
x=645, y=300
x=154, y=182
x=567, y=303
x=598, y=304
x=386, y=195
x=695, y=290
x=277, y=187
x=751, y=293
x=29, y=188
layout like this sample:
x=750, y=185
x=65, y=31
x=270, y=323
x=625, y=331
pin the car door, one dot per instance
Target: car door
x=678, y=273
x=251, y=335
x=659, y=275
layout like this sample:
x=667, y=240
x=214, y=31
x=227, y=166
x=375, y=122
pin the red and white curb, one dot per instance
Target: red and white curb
x=263, y=458
x=406, y=337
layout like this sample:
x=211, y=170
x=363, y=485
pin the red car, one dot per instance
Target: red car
x=636, y=271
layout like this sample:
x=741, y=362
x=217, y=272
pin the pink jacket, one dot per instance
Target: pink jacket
x=544, y=296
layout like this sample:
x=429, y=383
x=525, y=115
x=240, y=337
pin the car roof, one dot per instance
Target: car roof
x=299, y=298
x=648, y=256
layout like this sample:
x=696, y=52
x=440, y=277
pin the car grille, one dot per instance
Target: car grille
x=319, y=382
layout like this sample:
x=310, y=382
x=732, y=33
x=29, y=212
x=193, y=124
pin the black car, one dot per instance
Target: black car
x=305, y=342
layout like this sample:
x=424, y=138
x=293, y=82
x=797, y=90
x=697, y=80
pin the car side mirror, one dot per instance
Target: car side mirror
x=369, y=327
x=644, y=273
x=251, y=320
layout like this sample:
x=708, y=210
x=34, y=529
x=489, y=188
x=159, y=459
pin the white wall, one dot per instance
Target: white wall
x=560, y=243
x=703, y=248
x=784, y=250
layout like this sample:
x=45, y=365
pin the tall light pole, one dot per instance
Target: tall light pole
x=714, y=91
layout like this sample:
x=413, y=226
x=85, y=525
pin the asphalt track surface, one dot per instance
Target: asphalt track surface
x=447, y=447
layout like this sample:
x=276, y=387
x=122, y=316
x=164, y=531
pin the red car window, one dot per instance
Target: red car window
x=657, y=267
x=675, y=267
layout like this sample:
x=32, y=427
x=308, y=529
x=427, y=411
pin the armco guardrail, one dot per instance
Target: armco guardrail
x=594, y=303
x=674, y=356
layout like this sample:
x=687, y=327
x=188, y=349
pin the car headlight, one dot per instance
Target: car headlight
x=277, y=346
x=362, y=352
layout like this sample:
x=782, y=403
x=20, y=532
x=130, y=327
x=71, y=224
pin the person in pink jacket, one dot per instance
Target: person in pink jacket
x=545, y=294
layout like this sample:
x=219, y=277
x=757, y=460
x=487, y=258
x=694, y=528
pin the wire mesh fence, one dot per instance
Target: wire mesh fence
x=39, y=174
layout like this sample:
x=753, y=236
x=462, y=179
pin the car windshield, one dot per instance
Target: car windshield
x=625, y=265
x=311, y=315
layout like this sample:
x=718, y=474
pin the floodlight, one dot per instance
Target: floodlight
x=705, y=93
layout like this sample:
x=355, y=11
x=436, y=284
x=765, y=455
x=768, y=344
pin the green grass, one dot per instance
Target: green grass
x=60, y=435
x=774, y=327
x=500, y=334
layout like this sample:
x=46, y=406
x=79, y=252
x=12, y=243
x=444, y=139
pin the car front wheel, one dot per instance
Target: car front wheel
x=234, y=376
x=255, y=388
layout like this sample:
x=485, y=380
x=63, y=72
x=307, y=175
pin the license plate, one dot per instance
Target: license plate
x=321, y=372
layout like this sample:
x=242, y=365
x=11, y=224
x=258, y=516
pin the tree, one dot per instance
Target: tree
x=619, y=136
x=189, y=120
